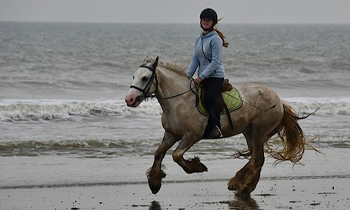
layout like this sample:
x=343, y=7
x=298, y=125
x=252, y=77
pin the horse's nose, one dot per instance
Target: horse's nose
x=129, y=100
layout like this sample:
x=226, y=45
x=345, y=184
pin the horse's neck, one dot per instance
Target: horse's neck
x=171, y=84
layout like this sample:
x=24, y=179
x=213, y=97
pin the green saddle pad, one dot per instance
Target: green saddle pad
x=231, y=98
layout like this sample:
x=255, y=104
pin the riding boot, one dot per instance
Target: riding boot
x=213, y=122
x=207, y=131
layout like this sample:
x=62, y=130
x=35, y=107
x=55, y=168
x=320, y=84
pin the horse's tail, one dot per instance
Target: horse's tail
x=291, y=135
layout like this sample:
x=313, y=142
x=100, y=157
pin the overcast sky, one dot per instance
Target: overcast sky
x=176, y=11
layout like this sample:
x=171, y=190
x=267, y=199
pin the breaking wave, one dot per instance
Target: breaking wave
x=83, y=148
x=53, y=110
x=111, y=148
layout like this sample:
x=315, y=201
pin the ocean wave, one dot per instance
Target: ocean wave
x=323, y=106
x=83, y=148
x=51, y=110
x=111, y=148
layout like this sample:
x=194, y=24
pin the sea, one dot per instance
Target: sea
x=64, y=121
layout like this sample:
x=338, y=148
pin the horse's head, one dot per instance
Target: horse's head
x=144, y=83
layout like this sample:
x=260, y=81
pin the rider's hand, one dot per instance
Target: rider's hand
x=198, y=80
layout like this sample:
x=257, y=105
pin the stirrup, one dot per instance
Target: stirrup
x=217, y=127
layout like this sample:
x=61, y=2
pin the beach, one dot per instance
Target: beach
x=301, y=193
x=320, y=183
x=69, y=141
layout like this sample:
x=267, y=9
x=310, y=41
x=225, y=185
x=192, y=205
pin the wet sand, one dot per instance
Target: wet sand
x=271, y=193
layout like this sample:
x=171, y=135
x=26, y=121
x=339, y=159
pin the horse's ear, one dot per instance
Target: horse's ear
x=155, y=63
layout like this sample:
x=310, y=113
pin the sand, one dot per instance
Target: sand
x=271, y=193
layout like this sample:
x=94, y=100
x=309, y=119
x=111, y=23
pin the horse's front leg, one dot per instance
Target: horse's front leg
x=192, y=165
x=155, y=173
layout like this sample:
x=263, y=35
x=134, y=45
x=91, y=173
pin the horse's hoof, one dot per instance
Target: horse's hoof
x=155, y=179
x=233, y=184
x=203, y=168
x=240, y=187
x=155, y=188
x=197, y=166
x=155, y=185
x=239, y=190
x=242, y=193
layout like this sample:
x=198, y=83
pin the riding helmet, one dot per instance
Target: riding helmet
x=209, y=13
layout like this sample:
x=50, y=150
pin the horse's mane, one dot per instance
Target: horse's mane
x=170, y=65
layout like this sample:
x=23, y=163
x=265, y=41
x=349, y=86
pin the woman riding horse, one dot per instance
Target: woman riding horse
x=207, y=57
x=262, y=115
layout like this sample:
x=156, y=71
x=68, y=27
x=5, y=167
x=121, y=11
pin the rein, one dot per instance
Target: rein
x=180, y=94
x=150, y=82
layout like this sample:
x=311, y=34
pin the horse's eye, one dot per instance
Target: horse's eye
x=133, y=77
x=144, y=79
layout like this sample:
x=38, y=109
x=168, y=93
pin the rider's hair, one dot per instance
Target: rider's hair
x=224, y=43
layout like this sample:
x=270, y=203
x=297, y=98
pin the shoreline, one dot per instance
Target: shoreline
x=101, y=184
x=271, y=193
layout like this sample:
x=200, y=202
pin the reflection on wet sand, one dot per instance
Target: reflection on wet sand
x=239, y=203
x=243, y=203
x=154, y=206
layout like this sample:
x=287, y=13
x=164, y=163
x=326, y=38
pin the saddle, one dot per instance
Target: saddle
x=228, y=100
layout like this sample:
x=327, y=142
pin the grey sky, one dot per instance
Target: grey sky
x=176, y=11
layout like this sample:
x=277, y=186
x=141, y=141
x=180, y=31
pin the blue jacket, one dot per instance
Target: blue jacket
x=209, y=65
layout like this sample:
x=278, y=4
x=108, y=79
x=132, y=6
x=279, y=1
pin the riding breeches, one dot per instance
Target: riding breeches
x=212, y=88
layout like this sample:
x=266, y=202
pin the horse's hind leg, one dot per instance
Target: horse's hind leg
x=246, y=179
x=249, y=138
x=155, y=173
x=189, y=166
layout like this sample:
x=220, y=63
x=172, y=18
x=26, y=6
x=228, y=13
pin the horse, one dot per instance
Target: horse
x=262, y=115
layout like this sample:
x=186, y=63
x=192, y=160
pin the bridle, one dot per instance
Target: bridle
x=149, y=84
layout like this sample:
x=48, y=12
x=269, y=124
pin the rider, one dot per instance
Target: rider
x=207, y=57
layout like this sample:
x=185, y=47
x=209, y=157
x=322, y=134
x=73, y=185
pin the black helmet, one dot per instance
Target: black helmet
x=209, y=13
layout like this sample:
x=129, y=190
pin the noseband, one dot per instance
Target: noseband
x=149, y=84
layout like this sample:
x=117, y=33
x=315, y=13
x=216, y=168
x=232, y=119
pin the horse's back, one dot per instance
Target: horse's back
x=261, y=105
x=258, y=94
